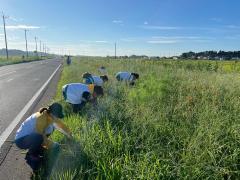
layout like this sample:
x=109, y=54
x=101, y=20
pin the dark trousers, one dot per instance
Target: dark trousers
x=78, y=107
x=32, y=142
x=64, y=92
x=118, y=78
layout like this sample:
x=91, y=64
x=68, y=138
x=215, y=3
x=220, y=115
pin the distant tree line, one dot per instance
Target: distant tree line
x=212, y=55
x=208, y=55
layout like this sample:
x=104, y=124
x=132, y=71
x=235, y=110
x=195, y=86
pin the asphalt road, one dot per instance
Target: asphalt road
x=18, y=84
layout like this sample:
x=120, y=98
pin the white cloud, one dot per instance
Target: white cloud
x=177, y=37
x=233, y=37
x=162, y=42
x=81, y=49
x=216, y=19
x=233, y=27
x=128, y=39
x=117, y=21
x=15, y=19
x=9, y=37
x=93, y=42
x=16, y=27
x=101, y=41
x=161, y=27
x=202, y=41
x=166, y=39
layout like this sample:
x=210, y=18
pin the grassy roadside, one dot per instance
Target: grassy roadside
x=181, y=121
x=19, y=59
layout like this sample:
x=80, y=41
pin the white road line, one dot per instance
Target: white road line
x=1, y=75
x=9, y=80
x=14, y=123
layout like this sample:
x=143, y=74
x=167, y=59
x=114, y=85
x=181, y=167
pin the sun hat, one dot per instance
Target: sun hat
x=86, y=75
x=56, y=110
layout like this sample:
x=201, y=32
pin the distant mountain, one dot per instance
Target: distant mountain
x=15, y=52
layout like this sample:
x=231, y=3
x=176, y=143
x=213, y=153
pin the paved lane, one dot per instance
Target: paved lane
x=18, y=84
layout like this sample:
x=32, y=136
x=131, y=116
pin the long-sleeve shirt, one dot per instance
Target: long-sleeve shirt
x=124, y=76
x=96, y=80
x=39, y=123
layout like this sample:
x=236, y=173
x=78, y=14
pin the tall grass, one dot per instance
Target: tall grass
x=18, y=59
x=181, y=121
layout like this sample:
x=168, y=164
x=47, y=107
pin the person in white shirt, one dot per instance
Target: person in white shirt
x=102, y=70
x=99, y=80
x=127, y=77
x=78, y=94
x=96, y=80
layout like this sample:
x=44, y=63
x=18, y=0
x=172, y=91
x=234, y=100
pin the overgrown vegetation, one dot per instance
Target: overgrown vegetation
x=181, y=121
x=19, y=59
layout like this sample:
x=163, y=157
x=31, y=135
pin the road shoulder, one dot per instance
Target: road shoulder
x=12, y=163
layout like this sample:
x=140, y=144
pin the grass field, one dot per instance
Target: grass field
x=18, y=59
x=181, y=121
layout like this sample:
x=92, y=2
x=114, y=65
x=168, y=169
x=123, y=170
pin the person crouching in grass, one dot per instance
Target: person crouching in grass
x=78, y=94
x=128, y=77
x=96, y=80
x=102, y=70
x=33, y=135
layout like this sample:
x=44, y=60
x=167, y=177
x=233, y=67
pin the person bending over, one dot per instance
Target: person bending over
x=127, y=77
x=96, y=80
x=78, y=94
x=102, y=70
x=34, y=131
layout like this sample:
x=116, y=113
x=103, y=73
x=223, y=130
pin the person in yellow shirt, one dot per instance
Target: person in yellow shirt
x=34, y=131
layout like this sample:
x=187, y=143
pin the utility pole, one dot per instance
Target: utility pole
x=43, y=50
x=36, y=45
x=26, y=42
x=5, y=33
x=40, y=51
x=115, y=50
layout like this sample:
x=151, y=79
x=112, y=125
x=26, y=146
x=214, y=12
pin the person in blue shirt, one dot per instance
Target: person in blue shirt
x=96, y=80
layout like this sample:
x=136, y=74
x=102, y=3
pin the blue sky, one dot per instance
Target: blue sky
x=151, y=27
